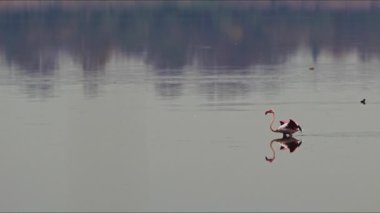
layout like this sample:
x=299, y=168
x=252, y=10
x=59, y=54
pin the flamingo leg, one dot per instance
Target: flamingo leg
x=287, y=135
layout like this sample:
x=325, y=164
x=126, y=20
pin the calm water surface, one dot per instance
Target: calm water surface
x=161, y=108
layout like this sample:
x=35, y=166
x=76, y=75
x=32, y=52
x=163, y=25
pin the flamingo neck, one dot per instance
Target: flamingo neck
x=273, y=152
x=271, y=124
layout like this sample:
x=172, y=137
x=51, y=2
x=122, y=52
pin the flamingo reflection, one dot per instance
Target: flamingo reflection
x=289, y=143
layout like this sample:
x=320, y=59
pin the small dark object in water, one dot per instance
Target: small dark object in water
x=362, y=101
x=311, y=68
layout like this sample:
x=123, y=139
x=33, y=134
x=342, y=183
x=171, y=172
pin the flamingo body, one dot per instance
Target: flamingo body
x=289, y=127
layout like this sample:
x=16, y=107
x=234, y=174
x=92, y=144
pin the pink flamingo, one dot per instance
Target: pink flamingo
x=286, y=127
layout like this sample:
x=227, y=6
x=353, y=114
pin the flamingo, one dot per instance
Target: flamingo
x=286, y=127
x=289, y=143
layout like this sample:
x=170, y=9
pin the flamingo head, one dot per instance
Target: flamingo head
x=270, y=160
x=269, y=111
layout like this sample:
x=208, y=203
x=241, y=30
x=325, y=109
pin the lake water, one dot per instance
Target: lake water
x=160, y=106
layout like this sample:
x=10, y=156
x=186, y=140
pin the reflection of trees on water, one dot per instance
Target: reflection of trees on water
x=220, y=40
x=224, y=90
x=169, y=89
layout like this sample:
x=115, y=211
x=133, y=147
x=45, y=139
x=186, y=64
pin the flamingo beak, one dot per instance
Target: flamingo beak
x=299, y=127
x=270, y=160
x=268, y=111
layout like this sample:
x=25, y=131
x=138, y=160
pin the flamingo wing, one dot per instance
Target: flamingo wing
x=292, y=124
x=282, y=122
x=293, y=146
